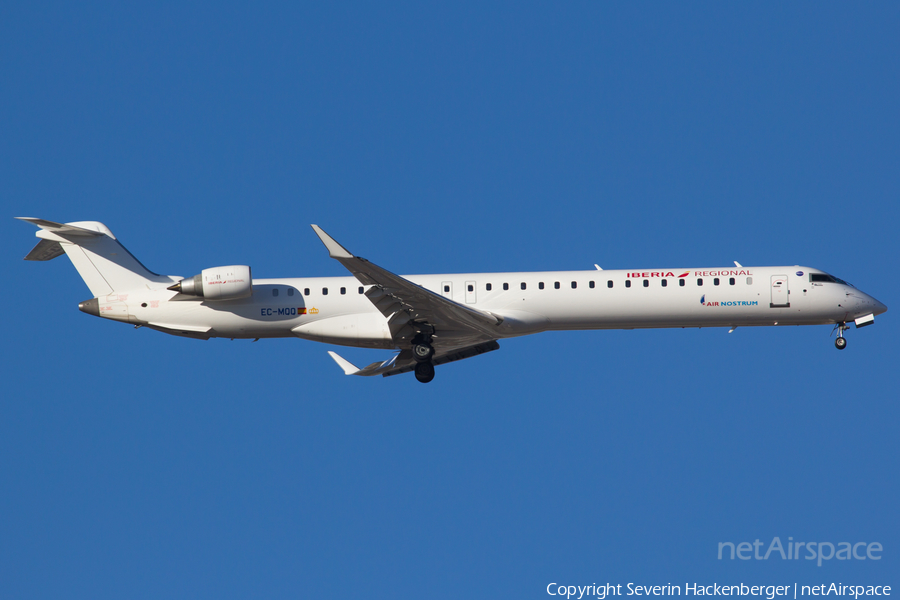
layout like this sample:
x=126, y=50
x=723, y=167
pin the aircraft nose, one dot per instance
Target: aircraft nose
x=867, y=302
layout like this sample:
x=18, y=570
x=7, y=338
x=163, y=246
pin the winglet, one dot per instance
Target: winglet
x=335, y=250
x=348, y=367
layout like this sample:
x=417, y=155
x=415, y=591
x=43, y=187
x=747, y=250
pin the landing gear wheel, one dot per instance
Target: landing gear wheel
x=840, y=343
x=424, y=372
x=422, y=352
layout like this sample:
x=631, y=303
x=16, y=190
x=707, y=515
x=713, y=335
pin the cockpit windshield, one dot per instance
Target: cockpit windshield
x=826, y=278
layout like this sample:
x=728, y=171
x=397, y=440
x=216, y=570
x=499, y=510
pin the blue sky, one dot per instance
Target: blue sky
x=445, y=138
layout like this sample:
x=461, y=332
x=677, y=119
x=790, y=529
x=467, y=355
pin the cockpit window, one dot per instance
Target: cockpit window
x=821, y=277
x=826, y=278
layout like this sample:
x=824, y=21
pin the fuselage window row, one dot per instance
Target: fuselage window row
x=556, y=285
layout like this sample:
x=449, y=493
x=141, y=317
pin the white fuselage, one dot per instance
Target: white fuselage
x=335, y=310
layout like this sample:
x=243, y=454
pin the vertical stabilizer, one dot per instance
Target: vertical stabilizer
x=104, y=264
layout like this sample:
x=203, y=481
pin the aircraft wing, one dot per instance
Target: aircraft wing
x=411, y=309
x=403, y=361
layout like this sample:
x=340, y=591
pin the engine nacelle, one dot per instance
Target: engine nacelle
x=219, y=283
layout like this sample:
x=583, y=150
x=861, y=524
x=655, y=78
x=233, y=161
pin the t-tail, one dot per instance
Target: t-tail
x=104, y=263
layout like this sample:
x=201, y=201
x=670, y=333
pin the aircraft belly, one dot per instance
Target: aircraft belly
x=221, y=319
x=369, y=330
x=714, y=311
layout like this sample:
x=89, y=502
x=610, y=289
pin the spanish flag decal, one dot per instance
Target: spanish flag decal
x=301, y=311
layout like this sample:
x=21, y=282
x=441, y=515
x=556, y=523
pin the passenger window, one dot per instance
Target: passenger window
x=306, y=291
x=609, y=283
x=540, y=285
x=700, y=282
x=488, y=287
x=523, y=285
x=574, y=284
x=627, y=283
x=591, y=284
x=290, y=291
x=324, y=291
x=556, y=285
x=681, y=282
x=274, y=291
x=343, y=291
x=646, y=283
x=715, y=281
x=505, y=286
x=470, y=287
x=360, y=289
x=731, y=281
x=446, y=289
x=749, y=281
x=665, y=282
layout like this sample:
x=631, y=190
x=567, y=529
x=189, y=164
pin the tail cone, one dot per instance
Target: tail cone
x=91, y=307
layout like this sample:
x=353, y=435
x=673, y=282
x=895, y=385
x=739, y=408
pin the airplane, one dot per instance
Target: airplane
x=431, y=320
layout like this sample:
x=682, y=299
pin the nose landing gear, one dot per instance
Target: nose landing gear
x=841, y=342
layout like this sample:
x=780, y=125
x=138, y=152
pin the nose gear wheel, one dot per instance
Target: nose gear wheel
x=841, y=342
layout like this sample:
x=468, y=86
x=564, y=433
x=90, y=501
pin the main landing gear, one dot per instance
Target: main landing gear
x=423, y=352
x=841, y=342
x=424, y=372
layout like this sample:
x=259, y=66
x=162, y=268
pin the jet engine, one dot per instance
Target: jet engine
x=219, y=283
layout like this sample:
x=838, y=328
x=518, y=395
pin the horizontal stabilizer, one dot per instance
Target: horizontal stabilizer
x=45, y=250
x=61, y=228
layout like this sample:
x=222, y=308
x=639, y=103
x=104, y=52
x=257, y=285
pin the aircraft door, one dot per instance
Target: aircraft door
x=447, y=289
x=470, y=292
x=780, y=293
